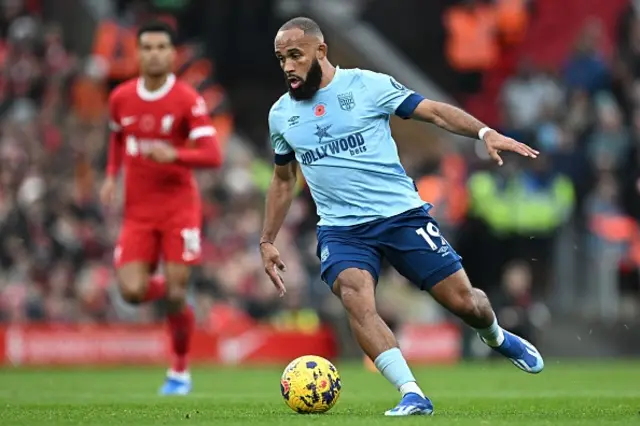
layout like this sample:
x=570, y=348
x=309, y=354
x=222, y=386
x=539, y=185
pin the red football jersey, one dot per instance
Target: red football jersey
x=174, y=114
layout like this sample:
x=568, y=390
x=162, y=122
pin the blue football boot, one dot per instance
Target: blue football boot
x=176, y=384
x=412, y=404
x=521, y=353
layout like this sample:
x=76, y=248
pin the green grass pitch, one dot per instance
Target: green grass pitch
x=565, y=394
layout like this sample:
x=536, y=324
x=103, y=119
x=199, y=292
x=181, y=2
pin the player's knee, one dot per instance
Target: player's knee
x=356, y=290
x=467, y=302
x=133, y=281
x=133, y=291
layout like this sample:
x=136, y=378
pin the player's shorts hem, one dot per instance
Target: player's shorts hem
x=440, y=274
x=330, y=276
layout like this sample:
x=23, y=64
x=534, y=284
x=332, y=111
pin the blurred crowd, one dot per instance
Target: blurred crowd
x=56, y=240
x=584, y=116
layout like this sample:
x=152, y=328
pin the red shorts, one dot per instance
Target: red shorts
x=177, y=241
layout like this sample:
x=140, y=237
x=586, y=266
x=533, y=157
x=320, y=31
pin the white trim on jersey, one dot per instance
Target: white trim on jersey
x=147, y=95
x=202, y=131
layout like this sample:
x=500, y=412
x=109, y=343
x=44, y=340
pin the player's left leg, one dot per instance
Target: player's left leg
x=181, y=323
x=472, y=306
x=415, y=247
x=180, y=251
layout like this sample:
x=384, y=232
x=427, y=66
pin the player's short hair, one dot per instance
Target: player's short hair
x=307, y=25
x=157, y=27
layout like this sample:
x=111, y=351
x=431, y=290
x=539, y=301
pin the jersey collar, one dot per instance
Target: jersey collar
x=160, y=93
x=335, y=77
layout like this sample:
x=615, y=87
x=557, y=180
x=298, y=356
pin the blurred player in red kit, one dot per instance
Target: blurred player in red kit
x=160, y=130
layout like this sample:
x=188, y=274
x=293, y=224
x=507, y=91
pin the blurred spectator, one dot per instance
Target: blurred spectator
x=444, y=185
x=610, y=140
x=630, y=173
x=512, y=20
x=528, y=94
x=586, y=68
x=515, y=304
x=522, y=210
x=472, y=46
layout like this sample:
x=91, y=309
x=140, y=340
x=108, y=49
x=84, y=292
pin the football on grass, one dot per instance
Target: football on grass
x=310, y=384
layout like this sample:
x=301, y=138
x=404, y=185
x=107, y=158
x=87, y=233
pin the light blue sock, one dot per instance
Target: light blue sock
x=394, y=368
x=492, y=335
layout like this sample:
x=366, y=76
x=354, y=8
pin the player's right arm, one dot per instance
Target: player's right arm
x=279, y=198
x=115, y=152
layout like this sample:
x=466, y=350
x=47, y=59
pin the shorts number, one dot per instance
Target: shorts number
x=191, y=240
x=430, y=231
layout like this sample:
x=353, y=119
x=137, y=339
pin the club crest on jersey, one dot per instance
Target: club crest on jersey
x=347, y=103
x=166, y=124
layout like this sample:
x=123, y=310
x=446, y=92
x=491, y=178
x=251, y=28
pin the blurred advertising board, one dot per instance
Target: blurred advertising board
x=135, y=344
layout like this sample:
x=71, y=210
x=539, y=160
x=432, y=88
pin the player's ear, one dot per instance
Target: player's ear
x=322, y=51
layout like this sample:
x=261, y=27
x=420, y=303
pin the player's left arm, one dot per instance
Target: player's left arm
x=457, y=121
x=205, y=151
x=391, y=97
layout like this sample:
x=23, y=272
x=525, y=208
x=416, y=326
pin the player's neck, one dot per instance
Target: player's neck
x=328, y=72
x=154, y=83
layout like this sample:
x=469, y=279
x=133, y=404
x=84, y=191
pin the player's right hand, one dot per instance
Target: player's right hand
x=273, y=265
x=108, y=191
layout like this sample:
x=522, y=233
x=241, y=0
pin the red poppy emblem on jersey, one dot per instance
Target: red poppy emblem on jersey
x=319, y=110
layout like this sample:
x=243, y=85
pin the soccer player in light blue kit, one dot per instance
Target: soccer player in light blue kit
x=335, y=123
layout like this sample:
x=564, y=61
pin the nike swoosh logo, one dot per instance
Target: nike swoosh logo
x=126, y=121
x=233, y=350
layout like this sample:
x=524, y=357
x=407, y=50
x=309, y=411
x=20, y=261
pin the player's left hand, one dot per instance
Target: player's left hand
x=496, y=143
x=162, y=153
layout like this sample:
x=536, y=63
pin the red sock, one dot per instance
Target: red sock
x=181, y=328
x=156, y=289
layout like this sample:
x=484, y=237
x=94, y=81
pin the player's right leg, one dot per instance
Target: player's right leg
x=135, y=258
x=137, y=285
x=351, y=270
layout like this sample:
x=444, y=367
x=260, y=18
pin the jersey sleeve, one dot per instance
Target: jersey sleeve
x=115, y=149
x=207, y=152
x=389, y=96
x=198, y=120
x=114, y=118
x=283, y=153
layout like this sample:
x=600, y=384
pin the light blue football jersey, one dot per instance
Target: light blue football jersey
x=342, y=140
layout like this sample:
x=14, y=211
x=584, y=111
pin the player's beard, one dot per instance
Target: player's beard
x=310, y=85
